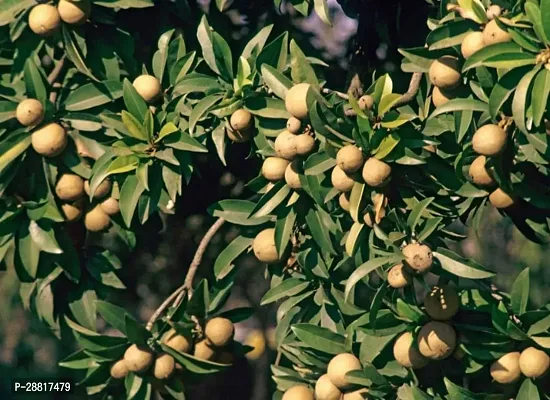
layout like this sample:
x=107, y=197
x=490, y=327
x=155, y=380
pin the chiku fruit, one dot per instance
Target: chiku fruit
x=376, y=173
x=219, y=332
x=298, y=392
x=326, y=390
x=72, y=212
x=442, y=302
x=340, y=180
x=292, y=175
x=138, y=358
x=203, y=351
x=479, y=174
x=296, y=100
x=500, y=199
x=110, y=206
x=445, y=72
x=50, y=140
x=69, y=187
x=285, y=145
x=366, y=102
x=489, y=140
x=178, y=342
x=241, y=123
x=406, y=354
x=534, y=363
x=436, y=340
x=304, y=144
x=273, y=168
x=102, y=190
x=350, y=158
x=472, y=43
x=339, y=366
x=239, y=136
x=343, y=200
x=96, y=220
x=492, y=33
x=440, y=96
x=119, y=369
x=29, y=112
x=294, y=125
x=418, y=256
x=264, y=246
x=44, y=20
x=74, y=12
x=494, y=11
x=399, y=276
x=164, y=366
x=506, y=369
x=148, y=87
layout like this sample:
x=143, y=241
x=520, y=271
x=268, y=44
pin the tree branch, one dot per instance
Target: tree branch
x=339, y=94
x=414, y=85
x=54, y=76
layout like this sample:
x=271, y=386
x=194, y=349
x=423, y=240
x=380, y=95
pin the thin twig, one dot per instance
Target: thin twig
x=162, y=307
x=278, y=359
x=414, y=85
x=339, y=94
x=52, y=77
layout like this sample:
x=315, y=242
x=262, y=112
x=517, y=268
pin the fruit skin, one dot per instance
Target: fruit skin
x=418, y=256
x=479, y=174
x=440, y=97
x=178, y=342
x=500, y=199
x=29, y=112
x=304, y=144
x=359, y=394
x=341, y=181
x=445, y=72
x=69, y=187
x=296, y=100
x=350, y=158
x=506, y=369
x=436, y=340
x=298, y=392
x=343, y=200
x=264, y=246
x=376, y=173
x=110, y=206
x=138, y=358
x=325, y=389
x=489, y=140
x=72, y=212
x=50, y=140
x=399, y=276
x=219, y=332
x=494, y=11
x=119, y=369
x=292, y=176
x=101, y=191
x=203, y=351
x=339, y=366
x=239, y=136
x=44, y=20
x=294, y=125
x=148, y=87
x=285, y=145
x=472, y=43
x=492, y=33
x=96, y=220
x=366, y=102
x=164, y=366
x=442, y=303
x=533, y=362
x=241, y=120
x=406, y=353
x=74, y=12
x=273, y=168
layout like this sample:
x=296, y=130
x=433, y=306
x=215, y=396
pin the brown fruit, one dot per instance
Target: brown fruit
x=119, y=369
x=29, y=112
x=359, y=394
x=350, y=158
x=304, y=144
x=399, y=276
x=343, y=200
x=418, y=256
x=489, y=140
x=376, y=173
x=298, y=392
x=241, y=120
x=285, y=145
x=436, y=340
x=138, y=358
x=239, y=136
x=479, y=174
x=406, y=353
x=273, y=168
x=366, y=102
x=500, y=199
x=506, y=369
x=44, y=20
x=440, y=96
x=203, y=351
x=69, y=187
x=494, y=11
x=96, y=220
x=339, y=366
x=294, y=125
x=164, y=366
x=341, y=181
x=445, y=72
x=148, y=87
x=442, y=303
x=72, y=212
x=74, y=12
x=101, y=191
x=533, y=362
x=219, y=332
x=492, y=33
x=178, y=342
x=292, y=175
x=49, y=140
x=296, y=100
x=110, y=206
x=472, y=43
x=264, y=246
x=257, y=340
x=325, y=389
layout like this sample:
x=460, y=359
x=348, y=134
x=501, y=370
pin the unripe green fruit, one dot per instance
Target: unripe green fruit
x=119, y=369
x=298, y=392
x=492, y=33
x=399, y=276
x=304, y=144
x=219, y=331
x=101, y=191
x=350, y=159
x=500, y=199
x=366, y=102
x=472, y=43
x=436, y=340
x=138, y=358
x=296, y=100
x=325, y=389
x=506, y=369
x=110, y=206
x=72, y=212
x=96, y=220
x=440, y=97
x=74, y=12
x=203, y=351
x=241, y=120
x=29, y=112
x=69, y=187
x=285, y=145
x=533, y=362
x=376, y=173
x=419, y=257
x=292, y=175
x=442, y=303
x=340, y=180
x=489, y=140
x=479, y=174
x=50, y=140
x=343, y=200
x=445, y=72
x=164, y=366
x=264, y=246
x=339, y=366
x=178, y=342
x=294, y=125
x=493, y=11
x=44, y=20
x=273, y=168
x=148, y=87
x=406, y=354
x=360, y=394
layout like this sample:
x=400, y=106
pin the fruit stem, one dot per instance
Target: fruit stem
x=339, y=94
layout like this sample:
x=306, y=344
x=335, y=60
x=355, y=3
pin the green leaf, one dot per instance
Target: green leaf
x=528, y=391
x=201, y=108
x=35, y=84
x=269, y=201
x=113, y=315
x=161, y=55
x=44, y=238
x=540, y=93
x=510, y=60
x=129, y=196
x=418, y=212
x=321, y=9
x=319, y=338
x=300, y=67
x=283, y=229
x=133, y=101
x=11, y=8
x=237, y=212
x=78, y=360
x=215, y=50
x=459, y=266
x=539, y=18
x=519, y=103
x=504, y=88
x=276, y=81
x=366, y=268
x=520, y=293
x=193, y=364
x=275, y=53
x=82, y=304
x=256, y=44
x=7, y=110
x=74, y=52
x=287, y=288
x=224, y=262
x=136, y=332
x=92, y=95
x=12, y=147
x=133, y=126
x=355, y=238
x=266, y=107
x=477, y=59
x=166, y=130
x=460, y=105
x=319, y=231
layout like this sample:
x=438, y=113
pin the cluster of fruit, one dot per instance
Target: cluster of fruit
x=45, y=19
